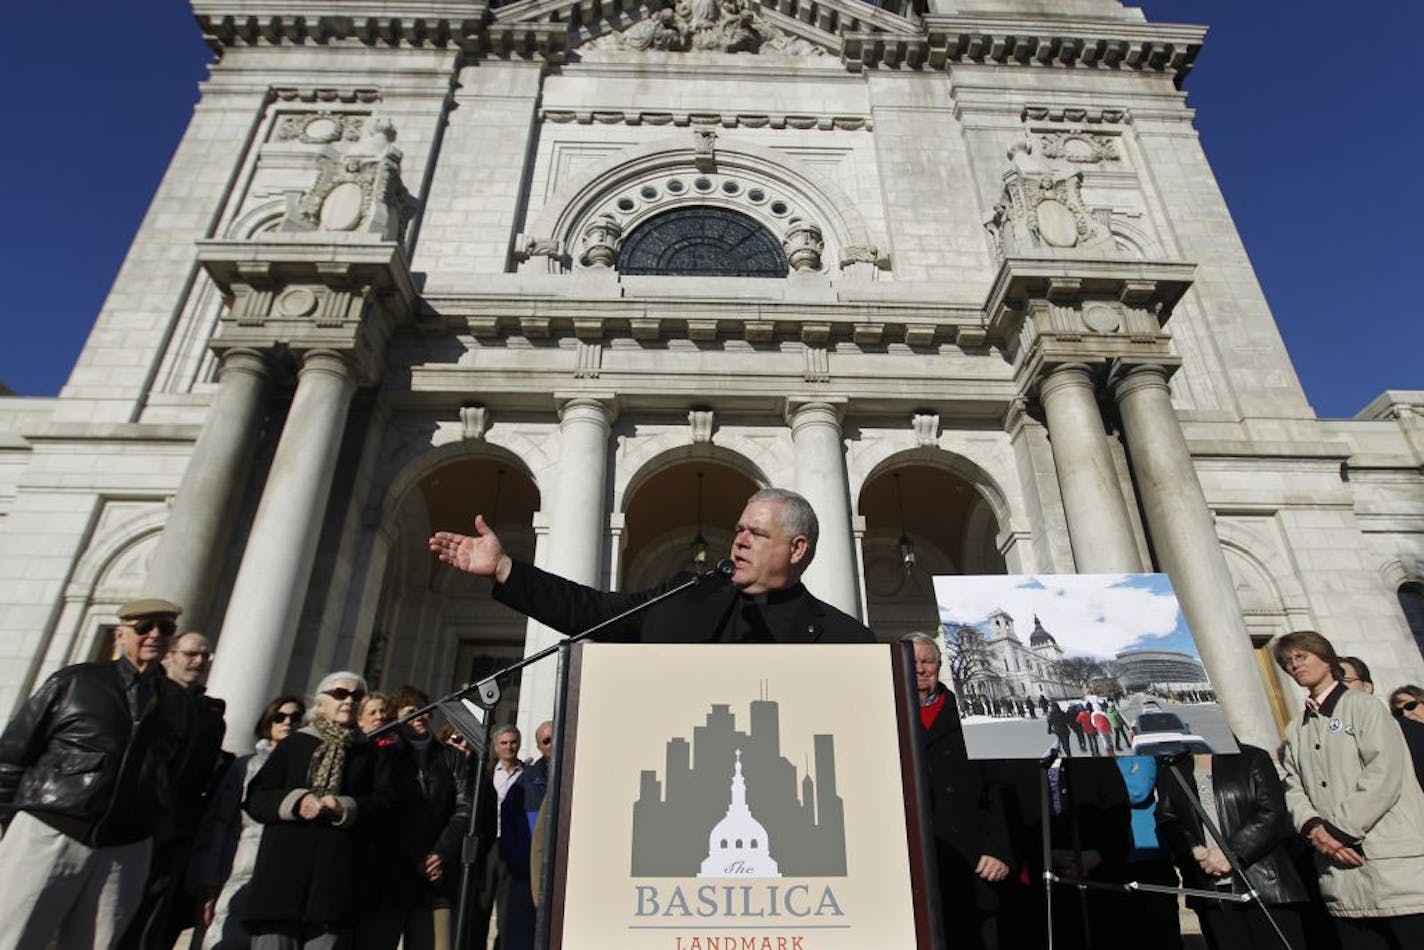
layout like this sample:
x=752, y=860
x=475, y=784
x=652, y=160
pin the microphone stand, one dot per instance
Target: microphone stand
x=486, y=695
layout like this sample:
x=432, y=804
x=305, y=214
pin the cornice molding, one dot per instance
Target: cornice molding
x=1148, y=47
x=868, y=37
x=593, y=319
x=411, y=23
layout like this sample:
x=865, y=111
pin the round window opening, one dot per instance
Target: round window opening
x=702, y=242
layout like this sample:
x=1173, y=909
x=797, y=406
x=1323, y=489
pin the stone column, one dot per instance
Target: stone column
x=271, y=584
x=579, y=524
x=1184, y=537
x=192, y=546
x=575, y=539
x=821, y=478
x=1098, y=526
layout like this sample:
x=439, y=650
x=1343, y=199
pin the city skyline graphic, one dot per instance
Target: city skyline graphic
x=720, y=773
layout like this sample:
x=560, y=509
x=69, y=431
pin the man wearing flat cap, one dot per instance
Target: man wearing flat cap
x=86, y=770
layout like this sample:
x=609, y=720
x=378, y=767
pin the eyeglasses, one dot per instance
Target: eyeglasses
x=195, y=654
x=341, y=694
x=164, y=626
x=1403, y=708
x=279, y=717
x=547, y=740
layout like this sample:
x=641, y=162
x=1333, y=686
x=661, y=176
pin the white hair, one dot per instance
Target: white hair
x=327, y=682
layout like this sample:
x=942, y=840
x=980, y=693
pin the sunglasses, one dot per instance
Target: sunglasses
x=1403, y=708
x=164, y=626
x=341, y=694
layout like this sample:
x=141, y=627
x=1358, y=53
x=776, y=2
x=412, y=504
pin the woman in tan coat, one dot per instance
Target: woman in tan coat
x=1351, y=794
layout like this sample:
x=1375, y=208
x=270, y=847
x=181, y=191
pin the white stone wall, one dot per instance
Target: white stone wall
x=501, y=149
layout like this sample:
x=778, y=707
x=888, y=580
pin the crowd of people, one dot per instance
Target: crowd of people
x=124, y=824
x=1324, y=853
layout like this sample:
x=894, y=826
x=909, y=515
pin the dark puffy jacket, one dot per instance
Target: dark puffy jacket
x=1252, y=810
x=74, y=757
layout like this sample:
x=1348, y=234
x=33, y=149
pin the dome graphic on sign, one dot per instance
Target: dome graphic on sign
x=737, y=845
x=771, y=820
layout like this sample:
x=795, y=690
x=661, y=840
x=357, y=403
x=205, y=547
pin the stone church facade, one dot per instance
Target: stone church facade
x=960, y=274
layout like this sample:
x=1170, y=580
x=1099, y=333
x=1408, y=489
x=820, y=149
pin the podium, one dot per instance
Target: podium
x=737, y=797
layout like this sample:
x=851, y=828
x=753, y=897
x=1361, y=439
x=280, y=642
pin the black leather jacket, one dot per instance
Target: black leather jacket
x=1252, y=811
x=75, y=758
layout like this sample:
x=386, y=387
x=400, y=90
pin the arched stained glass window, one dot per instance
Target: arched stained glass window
x=702, y=242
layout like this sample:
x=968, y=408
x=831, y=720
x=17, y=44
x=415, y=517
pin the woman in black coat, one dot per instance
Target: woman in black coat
x=1243, y=795
x=319, y=795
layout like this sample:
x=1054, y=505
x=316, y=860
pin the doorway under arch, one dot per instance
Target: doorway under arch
x=435, y=627
x=938, y=522
x=661, y=519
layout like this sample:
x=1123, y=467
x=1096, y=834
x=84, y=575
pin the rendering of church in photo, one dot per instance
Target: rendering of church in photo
x=958, y=271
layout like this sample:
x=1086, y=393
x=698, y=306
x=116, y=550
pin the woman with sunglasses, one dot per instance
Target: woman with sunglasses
x=319, y=797
x=1407, y=704
x=225, y=848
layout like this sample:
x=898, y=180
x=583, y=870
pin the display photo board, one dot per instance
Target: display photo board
x=739, y=795
x=1016, y=646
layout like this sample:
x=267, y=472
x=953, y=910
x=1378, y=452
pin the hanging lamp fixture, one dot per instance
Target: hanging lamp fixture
x=699, y=543
x=907, y=547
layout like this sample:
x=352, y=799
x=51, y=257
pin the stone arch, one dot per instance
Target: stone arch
x=655, y=507
x=1247, y=546
x=1135, y=240
x=421, y=464
x=940, y=519
x=259, y=219
x=666, y=457
x=969, y=470
x=1394, y=572
x=774, y=189
x=111, y=571
x=426, y=619
x=96, y=566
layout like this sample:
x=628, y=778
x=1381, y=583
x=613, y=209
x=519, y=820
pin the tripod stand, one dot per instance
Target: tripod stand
x=1083, y=886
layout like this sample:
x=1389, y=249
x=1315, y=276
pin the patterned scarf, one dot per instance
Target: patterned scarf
x=329, y=762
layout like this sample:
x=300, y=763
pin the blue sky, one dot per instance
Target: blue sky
x=1088, y=614
x=1307, y=111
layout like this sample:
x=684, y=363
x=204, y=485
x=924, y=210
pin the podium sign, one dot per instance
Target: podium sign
x=739, y=797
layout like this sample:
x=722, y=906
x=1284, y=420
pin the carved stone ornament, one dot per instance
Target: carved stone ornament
x=358, y=190
x=474, y=422
x=721, y=26
x=804, y=246
x=1042, y=208
x=926, y=429
x=701, y=423
x=862, y=254
x=1079, y=147
x=526, y=247
x=601, y=238
x=704, y=149
x=319, y=128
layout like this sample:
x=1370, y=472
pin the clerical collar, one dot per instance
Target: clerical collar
x=773, y=597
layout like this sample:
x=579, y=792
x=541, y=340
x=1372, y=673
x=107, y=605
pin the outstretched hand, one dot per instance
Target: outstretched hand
x=480, y=554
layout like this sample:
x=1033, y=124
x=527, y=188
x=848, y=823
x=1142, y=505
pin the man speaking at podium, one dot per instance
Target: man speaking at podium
x=756, y=597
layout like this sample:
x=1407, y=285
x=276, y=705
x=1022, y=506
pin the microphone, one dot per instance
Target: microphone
x=724, y=567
